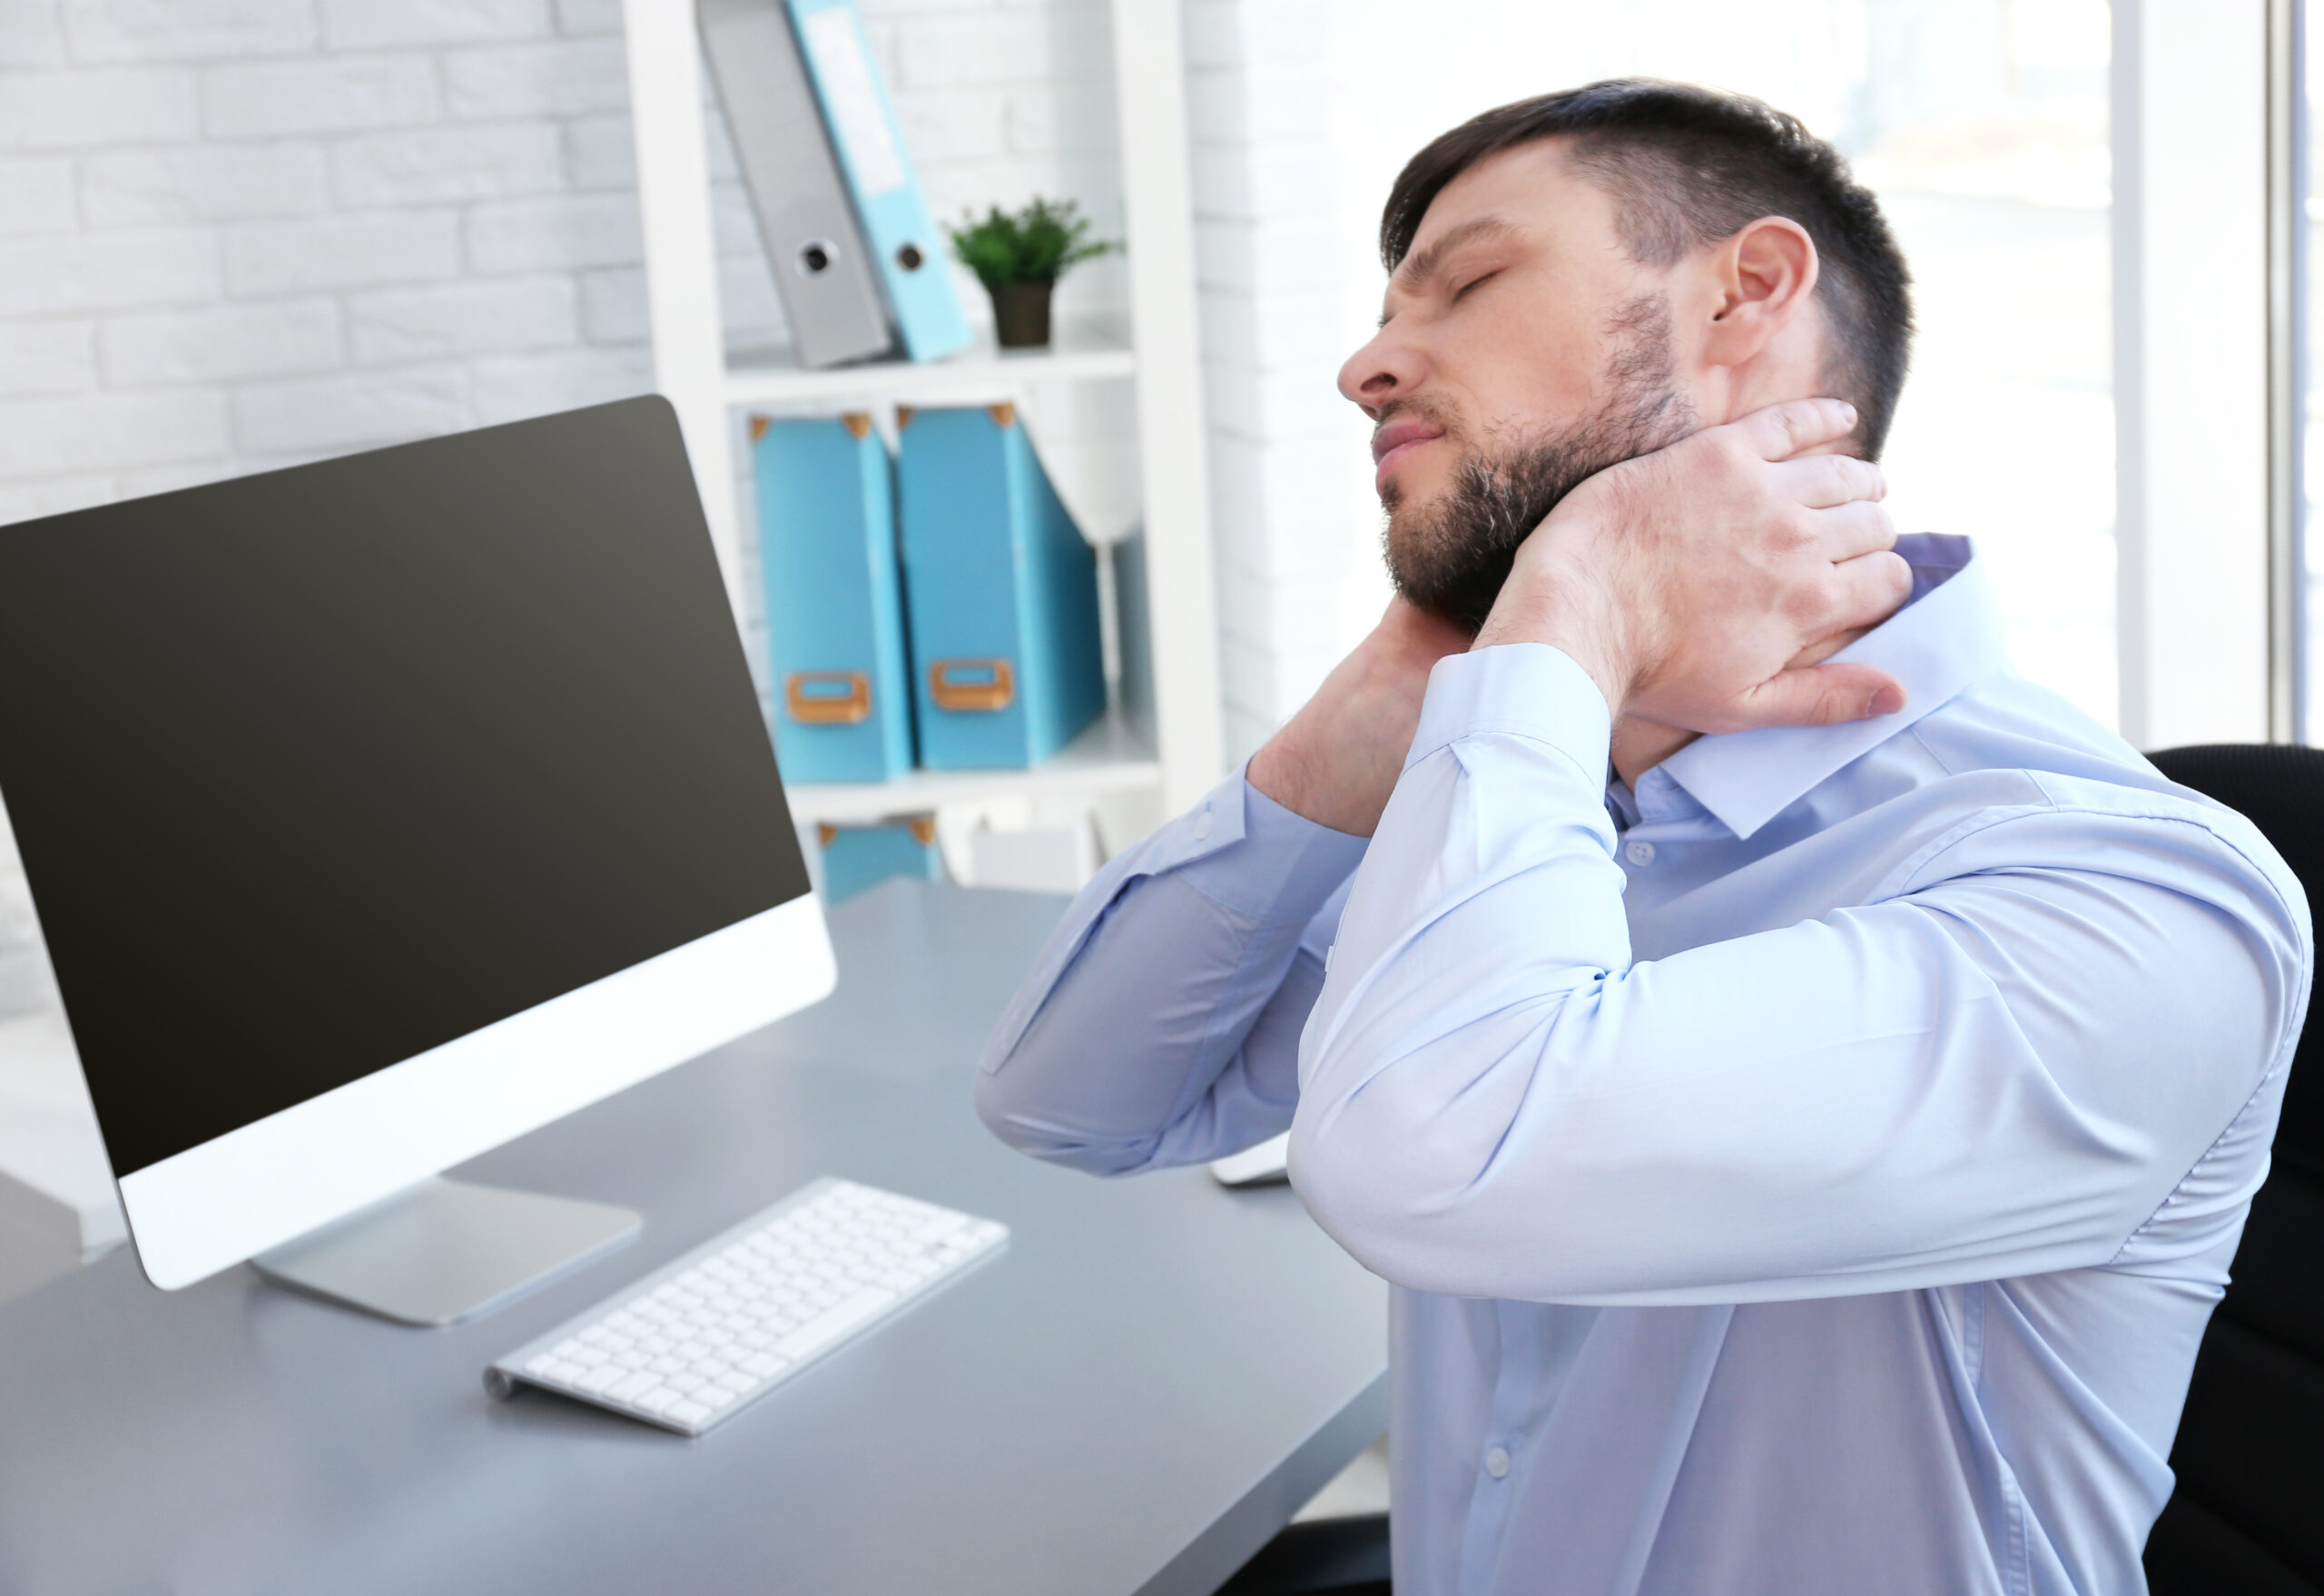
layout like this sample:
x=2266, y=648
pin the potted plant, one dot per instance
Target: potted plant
x=1018, y=256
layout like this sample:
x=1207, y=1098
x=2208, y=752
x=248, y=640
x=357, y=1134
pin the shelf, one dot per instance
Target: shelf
x=1081, y=351
x=1109, y=757
x=1118, y=412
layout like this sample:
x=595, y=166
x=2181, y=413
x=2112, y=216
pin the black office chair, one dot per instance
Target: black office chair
x=2248, y=1516
x=1323, y=1557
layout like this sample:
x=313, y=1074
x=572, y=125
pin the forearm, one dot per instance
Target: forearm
x=1160, y=1025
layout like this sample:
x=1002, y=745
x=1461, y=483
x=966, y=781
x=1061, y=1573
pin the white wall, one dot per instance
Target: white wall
x=1292, y=510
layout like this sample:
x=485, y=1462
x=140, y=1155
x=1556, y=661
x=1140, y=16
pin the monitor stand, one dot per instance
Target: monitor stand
x=445, y=1250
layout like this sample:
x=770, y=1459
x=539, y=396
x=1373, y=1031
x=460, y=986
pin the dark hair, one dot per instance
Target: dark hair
x=1689, y=166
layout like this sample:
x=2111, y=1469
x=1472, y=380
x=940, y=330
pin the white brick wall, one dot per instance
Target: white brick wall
x=236, y=234
x=1295, y=524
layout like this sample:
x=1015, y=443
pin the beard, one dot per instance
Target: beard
x=1451, y=555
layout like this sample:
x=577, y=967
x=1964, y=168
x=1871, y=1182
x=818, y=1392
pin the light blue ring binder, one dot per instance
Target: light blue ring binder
x=902, y=232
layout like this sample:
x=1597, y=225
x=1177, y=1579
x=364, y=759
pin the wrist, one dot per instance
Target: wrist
x=1565, y=604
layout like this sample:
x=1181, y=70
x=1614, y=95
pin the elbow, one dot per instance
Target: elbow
x=998, y=1107
x=1420, y=1226
x=1020, y=1121
x=1016, y=1120
x=1372, y=1196
x=1412, y=1178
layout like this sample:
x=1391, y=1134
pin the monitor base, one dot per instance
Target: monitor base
x=446, y=1251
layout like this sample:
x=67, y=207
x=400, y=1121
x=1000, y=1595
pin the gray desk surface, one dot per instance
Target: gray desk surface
x=1132, y=1397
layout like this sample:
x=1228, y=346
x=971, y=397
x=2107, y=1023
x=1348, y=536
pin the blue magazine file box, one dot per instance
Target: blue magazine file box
x=858, y=856
x=835, y=607
x=1001, y=594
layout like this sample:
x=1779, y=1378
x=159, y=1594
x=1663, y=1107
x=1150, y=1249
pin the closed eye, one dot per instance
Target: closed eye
x=1462, y=292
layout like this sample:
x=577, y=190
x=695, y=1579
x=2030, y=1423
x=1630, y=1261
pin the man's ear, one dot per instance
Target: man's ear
x=1766, y=274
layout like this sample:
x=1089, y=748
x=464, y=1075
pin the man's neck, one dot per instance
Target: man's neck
x=1641, y=744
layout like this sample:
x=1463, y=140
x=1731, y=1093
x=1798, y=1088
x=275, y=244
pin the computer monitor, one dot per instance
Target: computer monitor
x=381, y=809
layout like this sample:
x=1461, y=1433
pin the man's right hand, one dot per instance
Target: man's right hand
x=1336, y=761
x=1692, y=583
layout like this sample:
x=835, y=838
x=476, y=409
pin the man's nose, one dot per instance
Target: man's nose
x=1384, y=370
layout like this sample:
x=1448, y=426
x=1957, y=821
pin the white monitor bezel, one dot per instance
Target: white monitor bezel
x=263, y=1183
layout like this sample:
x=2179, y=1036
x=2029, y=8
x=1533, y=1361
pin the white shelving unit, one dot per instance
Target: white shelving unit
x=1079, y=352
x=1156, y=351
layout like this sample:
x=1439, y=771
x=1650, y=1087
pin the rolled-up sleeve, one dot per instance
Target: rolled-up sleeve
x=1161, y=1023
x=2004, y=1062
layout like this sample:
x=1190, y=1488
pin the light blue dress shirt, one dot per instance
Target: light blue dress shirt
x=1809, y=1173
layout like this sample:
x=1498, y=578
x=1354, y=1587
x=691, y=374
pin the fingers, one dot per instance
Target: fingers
x=1823, y=481
x=1781, y=431
x=1821, y=695
x=1868, y=588
x=1853, y=530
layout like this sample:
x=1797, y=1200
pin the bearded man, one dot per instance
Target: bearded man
x=1803, y=1082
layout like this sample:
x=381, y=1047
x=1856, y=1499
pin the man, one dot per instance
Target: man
x=1805, y=1155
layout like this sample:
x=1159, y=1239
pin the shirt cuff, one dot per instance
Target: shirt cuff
x=1517, y=689
x=1286, y=867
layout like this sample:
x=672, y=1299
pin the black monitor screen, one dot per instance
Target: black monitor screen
x=317, y=770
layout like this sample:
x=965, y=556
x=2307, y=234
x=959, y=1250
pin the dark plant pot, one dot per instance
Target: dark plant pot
x=1020, y=314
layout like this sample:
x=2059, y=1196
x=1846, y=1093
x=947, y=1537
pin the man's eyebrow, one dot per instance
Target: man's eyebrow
x=1424, y=264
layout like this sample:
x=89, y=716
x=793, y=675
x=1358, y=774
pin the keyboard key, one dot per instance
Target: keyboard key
x=627, y=1390
x=660, y=1400
x=689, y=1413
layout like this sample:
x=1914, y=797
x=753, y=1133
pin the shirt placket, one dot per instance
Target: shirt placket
x=1516, y=1390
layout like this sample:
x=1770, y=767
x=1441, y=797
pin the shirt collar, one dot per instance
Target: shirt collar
x=1946, y=638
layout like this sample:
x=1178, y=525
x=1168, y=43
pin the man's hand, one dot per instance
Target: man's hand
x=1338, y=758
x=1687, y=580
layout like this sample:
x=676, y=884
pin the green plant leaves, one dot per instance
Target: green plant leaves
x=1034, y=244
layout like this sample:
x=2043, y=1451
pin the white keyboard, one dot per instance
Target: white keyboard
x=693, y=1343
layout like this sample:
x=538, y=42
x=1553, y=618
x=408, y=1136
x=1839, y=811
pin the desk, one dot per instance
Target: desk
x=1132, y=1397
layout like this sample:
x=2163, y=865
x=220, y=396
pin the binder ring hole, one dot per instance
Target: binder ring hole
x=971, y=683
x=909, y=257
x=828, y=698
x=815, y=257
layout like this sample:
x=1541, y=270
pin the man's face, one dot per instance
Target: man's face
x=1521, y=350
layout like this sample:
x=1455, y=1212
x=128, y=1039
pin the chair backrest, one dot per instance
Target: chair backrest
x=2248, y=1515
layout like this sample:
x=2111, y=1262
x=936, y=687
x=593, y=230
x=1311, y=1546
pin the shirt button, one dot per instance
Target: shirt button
x=1497, y=1463
x=1639, y=852
x=1202, y=825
